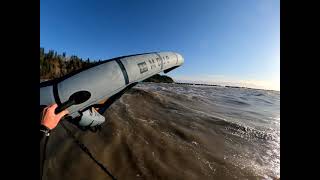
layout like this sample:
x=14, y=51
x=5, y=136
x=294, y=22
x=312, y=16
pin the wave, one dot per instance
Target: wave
x=161, y=131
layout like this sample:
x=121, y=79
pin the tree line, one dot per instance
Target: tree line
x=54, y=65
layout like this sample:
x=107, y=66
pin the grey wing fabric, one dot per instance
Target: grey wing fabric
x=107, y=79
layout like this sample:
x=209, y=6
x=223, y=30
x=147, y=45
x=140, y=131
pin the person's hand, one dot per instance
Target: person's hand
x=49, y=118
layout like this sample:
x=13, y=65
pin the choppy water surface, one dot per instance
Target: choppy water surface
x=170, y=131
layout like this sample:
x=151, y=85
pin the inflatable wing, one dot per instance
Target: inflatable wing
x=105, y=81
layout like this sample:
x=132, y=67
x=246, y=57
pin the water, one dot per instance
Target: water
x=170, y=131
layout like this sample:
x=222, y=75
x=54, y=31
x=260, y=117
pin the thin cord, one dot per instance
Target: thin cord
x=86, y=150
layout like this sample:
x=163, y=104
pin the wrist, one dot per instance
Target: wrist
x=47, y=124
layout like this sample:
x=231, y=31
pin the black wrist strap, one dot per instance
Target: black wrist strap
x=45, y=130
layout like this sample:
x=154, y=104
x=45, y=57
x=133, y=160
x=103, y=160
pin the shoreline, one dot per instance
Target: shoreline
x=198, y=84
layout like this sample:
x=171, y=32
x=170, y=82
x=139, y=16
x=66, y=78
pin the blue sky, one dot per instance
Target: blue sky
x=225, y=42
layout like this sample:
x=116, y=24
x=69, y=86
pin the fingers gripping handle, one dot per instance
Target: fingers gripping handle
x=64, y=106
x=76, y=98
